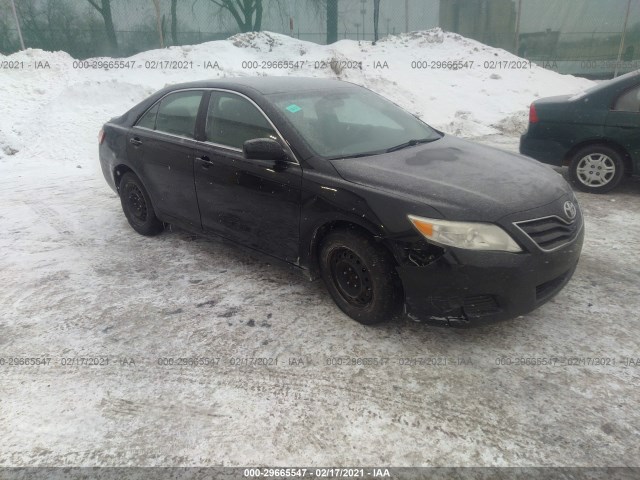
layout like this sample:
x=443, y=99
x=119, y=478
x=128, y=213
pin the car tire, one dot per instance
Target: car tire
x=360, y=276
x=596, y=169
x=137, y=207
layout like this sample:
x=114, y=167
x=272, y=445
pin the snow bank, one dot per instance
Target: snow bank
x=55, y=111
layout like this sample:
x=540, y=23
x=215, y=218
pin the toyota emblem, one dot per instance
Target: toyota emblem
x=570, y=210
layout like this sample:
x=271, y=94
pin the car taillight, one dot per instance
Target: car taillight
x=533, y=115
x=101, y=136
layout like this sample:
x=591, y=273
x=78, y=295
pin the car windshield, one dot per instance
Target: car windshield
x=351, y=122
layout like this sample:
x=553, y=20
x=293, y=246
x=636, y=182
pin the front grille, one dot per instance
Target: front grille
x=480, y=305
x=552, y=232
x=547, y=289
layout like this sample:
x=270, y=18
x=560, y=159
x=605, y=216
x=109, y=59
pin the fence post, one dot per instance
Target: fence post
x=15, y=15
x=624, y=34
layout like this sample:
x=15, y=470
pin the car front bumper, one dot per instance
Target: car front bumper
x=466, y=288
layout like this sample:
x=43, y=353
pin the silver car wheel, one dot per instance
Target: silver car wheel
x=596, y=170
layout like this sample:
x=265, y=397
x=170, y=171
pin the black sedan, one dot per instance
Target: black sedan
x=595, y=133
x=328, y=176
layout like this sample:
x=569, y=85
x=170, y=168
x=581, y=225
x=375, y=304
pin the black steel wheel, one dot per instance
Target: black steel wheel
x=351, y=277
x=360, y=276
x=137, y=206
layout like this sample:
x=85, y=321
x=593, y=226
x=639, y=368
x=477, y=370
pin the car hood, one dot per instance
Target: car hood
x=461, y=179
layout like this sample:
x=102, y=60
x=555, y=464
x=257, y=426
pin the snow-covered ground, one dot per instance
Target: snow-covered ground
x=78, y=282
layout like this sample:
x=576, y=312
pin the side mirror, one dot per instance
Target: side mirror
x=263, y=149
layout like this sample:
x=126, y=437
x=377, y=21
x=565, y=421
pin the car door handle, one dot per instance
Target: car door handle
x=135, y=141
x=206, y=161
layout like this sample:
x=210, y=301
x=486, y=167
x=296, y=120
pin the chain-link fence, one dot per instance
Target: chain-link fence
x=591, y=37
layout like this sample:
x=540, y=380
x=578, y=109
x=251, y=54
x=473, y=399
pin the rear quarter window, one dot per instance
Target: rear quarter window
x=629, y=101
x=148, y=120
x=177, y=113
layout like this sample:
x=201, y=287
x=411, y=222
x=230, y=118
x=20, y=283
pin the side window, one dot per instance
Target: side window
x=232, y=120
x=178, y=112
x=148, y=120
x=629, y=101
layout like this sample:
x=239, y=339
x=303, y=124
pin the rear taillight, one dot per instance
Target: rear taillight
x=533, y=115
x=101, y=136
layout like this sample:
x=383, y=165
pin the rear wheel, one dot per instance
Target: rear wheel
x=596, y=169
x=137, y=206
x=360, y=276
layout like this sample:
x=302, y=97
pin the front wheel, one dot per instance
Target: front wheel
x=596, y=169
x=137, y=206
x=360, y=276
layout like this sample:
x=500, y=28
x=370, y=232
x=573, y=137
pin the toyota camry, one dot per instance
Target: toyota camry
x=395, y=216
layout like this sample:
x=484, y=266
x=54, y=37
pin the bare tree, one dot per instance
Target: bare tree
x=58, y=25
x=246, y=13
x=34, y=30
x=104, y=9
x=7, y=43
x=328, y=8
x=332, y=18
x=156, y=5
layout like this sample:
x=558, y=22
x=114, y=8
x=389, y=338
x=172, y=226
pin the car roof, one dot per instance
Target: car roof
x=268, y=85
x=613, y=85
x=252, y=86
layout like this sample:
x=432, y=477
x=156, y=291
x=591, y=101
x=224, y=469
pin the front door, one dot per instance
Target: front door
x=254, y=203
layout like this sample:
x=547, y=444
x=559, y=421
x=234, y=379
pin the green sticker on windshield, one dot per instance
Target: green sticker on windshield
x=293, y=108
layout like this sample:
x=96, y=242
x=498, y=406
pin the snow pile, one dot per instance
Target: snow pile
x=260, y=41
x=57, y=111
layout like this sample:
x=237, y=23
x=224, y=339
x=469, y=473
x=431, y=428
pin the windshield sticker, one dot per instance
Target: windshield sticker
x=293, y=108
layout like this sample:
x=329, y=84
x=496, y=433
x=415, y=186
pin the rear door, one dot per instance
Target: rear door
x=623, y=123
x=163, y=143
x=255, y=203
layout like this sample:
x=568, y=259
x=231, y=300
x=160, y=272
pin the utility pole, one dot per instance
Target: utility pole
x=363, y=11
x=156, y=5
x=624, y=34
x=376, y=20
x=15, y=15
x=518, y=16
x=332, y=21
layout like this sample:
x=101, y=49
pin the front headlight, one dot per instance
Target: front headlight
x=468, y=235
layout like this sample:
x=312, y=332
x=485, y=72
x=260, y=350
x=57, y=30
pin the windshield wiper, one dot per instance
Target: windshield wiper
x=357, y=155
x=410, y=143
